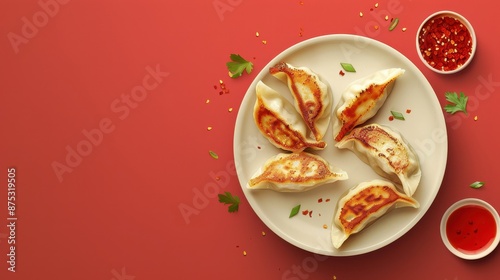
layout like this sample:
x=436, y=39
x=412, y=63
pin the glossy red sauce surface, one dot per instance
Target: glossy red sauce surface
x=471, y=229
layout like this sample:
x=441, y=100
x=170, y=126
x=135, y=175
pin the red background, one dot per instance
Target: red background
x=115, y=212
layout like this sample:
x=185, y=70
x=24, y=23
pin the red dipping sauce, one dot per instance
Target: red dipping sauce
x=471, y=229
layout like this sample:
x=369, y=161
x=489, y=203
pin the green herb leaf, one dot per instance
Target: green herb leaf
x=213, y=154
x=295, y=211
x=394, y=23
x=347, y=67
x=238, y=65
x=459, y=103
x=228, y=198
x=477, y=185
x=398, y=115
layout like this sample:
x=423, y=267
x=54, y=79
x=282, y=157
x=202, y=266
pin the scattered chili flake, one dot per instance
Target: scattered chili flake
x=371, y=9
x=445, y=43
x=327, y=200
x=222, y=86
x=300, y=31
x=310, y=213
x=305, y=212
x=259, y=147
x=320, y=200
x=408, y=111
x=215, y=86
x=391, y=118
x=341, y=73
x=209, y=128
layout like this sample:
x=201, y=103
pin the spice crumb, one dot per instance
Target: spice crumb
x=408, y=111
x=263, y=233
x=325, y=226
x=264, y=42
x=360, y=14
x=230, y=110
x=386, y=18
x=376, y=5
x=475, y=118
x=244, y=253
x=209, y=128
x=376, y=27
x=403, y=29
x=391, y=118
x=257, y=34
x=208, y=101
x=341, y=73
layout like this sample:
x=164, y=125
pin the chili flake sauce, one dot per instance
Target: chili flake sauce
x=445, y=43
x=471, y=229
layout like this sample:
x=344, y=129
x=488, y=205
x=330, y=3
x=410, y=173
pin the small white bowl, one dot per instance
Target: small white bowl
x=478, y=253
x=445, y=45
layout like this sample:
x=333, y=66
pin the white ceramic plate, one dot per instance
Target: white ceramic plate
x=424, y=128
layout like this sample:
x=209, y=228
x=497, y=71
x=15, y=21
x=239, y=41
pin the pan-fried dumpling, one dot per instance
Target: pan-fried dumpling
x=362, y=99
x=279, y=122
x=364, y=204
x=313, y=100
x=387, y=152
x=295, y=172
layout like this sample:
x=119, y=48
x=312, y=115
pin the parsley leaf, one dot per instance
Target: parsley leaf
x=228, y=198
x=213, y=154
x=295, y=211
x=347, y=67
x=476, y=185
x=237, y=65
x=459, y=103
x=398, y=115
